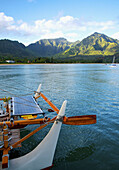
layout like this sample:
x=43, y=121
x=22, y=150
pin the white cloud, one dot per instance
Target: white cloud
x=56, y=34
x=116, y=35
x=5, y=21
x=66, y=19
x=101, y=25
x=64, y=26
x=72, y=36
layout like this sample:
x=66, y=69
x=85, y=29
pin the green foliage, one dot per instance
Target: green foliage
x=5, y=99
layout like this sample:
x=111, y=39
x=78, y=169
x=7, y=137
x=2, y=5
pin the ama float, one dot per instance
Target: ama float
x=23, y=111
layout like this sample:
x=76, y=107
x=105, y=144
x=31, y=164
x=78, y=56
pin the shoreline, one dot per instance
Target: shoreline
x=51, y=63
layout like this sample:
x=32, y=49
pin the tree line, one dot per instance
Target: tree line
x=76, y=59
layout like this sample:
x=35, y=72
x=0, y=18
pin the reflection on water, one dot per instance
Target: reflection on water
x=80, y=153
x=89, y=89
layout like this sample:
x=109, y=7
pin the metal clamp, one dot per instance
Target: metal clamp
x=5, y=155
x=59, y=118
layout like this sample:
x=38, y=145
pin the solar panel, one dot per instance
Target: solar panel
x=25, y=106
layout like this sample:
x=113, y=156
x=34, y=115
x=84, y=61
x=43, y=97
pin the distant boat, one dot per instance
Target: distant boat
x=113, y=63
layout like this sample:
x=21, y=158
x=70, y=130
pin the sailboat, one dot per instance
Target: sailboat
x=113, y=62
x=23, y=111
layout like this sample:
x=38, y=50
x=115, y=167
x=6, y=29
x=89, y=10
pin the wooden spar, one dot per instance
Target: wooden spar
x=18, y=123
x=74, y=120
x=26, y=137
x=42, y=156
x=38, y=94
x=80, y=120
x=49, y=102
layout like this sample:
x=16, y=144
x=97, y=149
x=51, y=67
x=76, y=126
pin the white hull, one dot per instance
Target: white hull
x=42, y=156
x=113, y=66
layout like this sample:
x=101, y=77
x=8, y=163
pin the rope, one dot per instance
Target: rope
x=21, y=84
x=19, y=95
x=14, y=89
x=16, y=96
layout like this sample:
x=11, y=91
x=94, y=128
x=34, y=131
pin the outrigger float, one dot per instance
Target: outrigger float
x=27, y=109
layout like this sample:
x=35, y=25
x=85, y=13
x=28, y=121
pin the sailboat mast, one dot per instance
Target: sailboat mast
x=113, y=59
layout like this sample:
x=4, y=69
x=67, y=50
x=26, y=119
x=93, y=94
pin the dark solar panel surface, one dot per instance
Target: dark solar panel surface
x=25, y=106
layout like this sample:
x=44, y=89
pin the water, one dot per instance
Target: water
x=89, y=89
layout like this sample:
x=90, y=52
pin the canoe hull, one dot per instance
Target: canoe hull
x=42, y=156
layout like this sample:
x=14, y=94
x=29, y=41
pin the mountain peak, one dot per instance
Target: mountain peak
x=54, y=39
x=96, y=34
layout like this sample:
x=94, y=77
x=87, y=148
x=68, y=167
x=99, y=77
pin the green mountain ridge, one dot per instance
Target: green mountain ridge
x=95, y=45
x=49, y=47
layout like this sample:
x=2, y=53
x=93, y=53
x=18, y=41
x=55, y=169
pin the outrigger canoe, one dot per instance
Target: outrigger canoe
x=27, y=109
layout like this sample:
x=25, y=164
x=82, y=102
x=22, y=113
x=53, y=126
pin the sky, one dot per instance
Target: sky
x=28, y=21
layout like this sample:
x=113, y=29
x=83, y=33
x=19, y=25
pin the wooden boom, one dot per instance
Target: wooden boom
x=22, y=123
x=48, y=101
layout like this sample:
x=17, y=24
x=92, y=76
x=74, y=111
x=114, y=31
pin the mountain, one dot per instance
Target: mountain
x=95, y=44
x=13, y=48
x=49, y=47
x=89, y=48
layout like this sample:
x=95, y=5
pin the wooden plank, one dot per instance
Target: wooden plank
x=15, y=137
x=1, y=136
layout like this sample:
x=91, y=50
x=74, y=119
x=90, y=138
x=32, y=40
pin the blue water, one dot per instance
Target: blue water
x=89, y=89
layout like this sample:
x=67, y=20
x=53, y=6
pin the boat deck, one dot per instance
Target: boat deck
x=14, y=136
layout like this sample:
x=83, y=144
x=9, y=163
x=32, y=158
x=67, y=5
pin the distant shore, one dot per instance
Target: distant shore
x=51, y=63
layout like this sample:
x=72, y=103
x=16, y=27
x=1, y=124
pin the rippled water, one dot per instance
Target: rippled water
x=89, y=89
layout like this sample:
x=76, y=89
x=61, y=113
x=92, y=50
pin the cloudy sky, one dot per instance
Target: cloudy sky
x=28, y=21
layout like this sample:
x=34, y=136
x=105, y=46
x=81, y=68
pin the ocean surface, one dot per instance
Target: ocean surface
x=88, y=89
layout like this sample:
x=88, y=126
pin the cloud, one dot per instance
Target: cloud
x=5, y=21
x=53, y=35
x=72, y=36
x=116, y=35
x=102, y=25
x=64, y=26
